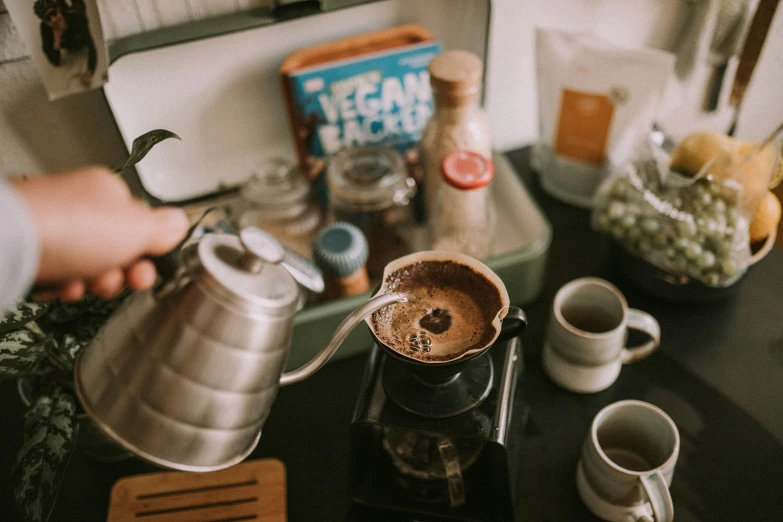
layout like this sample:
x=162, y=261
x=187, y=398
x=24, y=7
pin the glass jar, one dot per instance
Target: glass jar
x=458, y=122
x=278, y=199
x=369, y=187
x=463, y=219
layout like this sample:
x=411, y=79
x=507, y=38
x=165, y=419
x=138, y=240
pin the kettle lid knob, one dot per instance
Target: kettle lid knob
x=260, y=248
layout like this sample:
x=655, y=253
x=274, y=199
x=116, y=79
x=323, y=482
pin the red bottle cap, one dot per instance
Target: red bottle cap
x=467, y=170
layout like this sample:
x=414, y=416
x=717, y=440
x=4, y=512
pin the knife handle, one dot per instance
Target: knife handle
x=754, y=42
x=714, y=87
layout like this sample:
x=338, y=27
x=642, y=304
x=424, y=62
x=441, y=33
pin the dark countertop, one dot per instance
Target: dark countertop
x=719, y=374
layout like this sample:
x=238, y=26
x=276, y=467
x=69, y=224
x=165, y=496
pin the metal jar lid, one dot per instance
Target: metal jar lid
x=340, y=250
x=368, y=178
x=246, y=273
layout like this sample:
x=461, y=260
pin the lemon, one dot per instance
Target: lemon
x=766, y=218
x=756, y=170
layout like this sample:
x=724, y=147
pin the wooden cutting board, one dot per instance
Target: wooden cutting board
x=252, y=491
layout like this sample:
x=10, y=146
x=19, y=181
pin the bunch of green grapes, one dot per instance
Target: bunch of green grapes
x=694, y=230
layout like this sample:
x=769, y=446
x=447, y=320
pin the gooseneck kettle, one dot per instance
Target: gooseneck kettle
x=185, y=377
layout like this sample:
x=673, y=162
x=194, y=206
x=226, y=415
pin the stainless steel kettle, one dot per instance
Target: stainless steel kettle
x=186, y=378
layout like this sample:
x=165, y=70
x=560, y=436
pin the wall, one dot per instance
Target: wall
x=655, y=23
x=38, y=135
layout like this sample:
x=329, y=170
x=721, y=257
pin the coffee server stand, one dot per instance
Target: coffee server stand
x=451, y=466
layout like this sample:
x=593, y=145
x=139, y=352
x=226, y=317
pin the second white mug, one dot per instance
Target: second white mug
x=627, y=463
x=585, y=347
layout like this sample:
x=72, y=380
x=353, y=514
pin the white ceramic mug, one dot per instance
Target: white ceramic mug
x=627, y=463
x=586, y=335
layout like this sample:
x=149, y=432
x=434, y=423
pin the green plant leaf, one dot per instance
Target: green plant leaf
x=49, y=427
x=71, y=341
x=71, y=344
x=21, y=314
x=87, y=307
x=143, y=144
x=65, y=312
x=20, y=352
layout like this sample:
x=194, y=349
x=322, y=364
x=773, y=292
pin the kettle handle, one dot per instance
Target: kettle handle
x=168, y=264
x=342, y=331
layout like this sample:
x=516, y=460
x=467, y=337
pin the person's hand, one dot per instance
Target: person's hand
x=93, y=234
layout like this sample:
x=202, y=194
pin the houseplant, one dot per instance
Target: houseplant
x=39, y=342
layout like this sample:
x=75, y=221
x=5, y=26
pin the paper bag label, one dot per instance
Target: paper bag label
x=583, y=126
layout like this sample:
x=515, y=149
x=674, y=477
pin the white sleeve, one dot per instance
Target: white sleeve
x=19, y=249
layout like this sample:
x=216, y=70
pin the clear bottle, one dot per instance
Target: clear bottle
x=458, y=122
x=463, y=218
x=279, y=200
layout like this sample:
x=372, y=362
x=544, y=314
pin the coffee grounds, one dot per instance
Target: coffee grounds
x=437, y=321
x=454, y=310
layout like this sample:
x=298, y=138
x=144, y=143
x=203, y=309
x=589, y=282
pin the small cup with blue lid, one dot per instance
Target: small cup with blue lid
x=340, y=250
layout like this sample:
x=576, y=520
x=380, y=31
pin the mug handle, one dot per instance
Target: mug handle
x=646, y=323
x=660, y=499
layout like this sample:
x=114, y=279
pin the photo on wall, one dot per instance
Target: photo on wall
x=64, y=39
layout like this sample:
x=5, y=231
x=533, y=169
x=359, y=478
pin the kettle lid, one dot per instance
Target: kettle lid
x=248, y=270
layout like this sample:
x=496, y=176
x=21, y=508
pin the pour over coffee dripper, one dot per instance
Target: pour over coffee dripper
x=445, y=388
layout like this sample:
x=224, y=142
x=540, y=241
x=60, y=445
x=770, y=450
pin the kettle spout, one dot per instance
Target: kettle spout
x=342, y=331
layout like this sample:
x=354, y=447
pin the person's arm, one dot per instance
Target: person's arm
x=19, y=250
x=47, y=44
x=80, y=231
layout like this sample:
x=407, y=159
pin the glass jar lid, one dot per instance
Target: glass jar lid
x=276, y=185
x=369, y=178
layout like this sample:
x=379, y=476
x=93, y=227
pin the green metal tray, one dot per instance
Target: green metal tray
x=523, y=238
